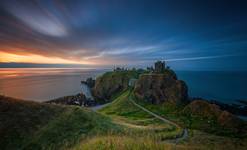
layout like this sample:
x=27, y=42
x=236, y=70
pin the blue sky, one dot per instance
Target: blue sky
x=190, y=35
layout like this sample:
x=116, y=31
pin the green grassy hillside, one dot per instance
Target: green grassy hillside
x=140, y=129
x=30, y=125
x=122, y=109
x=118, y=126
x=185, y=117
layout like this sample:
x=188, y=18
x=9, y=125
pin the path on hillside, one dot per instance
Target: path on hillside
x=184, y=135
x=177, y=139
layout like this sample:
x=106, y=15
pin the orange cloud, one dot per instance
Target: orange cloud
x=33, y=58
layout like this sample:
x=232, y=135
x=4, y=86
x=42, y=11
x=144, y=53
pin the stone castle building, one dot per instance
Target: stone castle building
x=159, y=66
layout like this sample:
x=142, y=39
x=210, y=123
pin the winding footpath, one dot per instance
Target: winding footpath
x=177, y=139
x=185, y=133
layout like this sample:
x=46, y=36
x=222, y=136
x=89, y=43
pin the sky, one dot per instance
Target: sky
x=188, y=34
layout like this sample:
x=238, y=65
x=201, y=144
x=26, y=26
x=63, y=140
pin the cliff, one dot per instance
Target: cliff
x=111, y=83
x=162, y=87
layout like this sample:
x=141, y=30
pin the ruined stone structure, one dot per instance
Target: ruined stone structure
x=159, y=67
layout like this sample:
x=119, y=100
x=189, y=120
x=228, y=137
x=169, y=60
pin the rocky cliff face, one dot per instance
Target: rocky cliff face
x=111, y=83
x=162, y=87
x=87, y=91
x=90, y=82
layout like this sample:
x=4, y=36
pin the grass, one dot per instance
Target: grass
x=143, y=132
x=125, y=73
x=186, y=120
x=206, y=141
x=119, y=126
x=111, y=83
x=123, y=112
x=122, y=107
x=140, y=129
x=123, y=143
x=19, y=119
x=69, y=128
x=30, y=125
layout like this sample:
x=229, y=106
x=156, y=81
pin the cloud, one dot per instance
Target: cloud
x=122, y=32
x=36, y=18
x=199, y=58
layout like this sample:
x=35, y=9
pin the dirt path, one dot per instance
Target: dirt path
x=184, y=135
x=176, y=140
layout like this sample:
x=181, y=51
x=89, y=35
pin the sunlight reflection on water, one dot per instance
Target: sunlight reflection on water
x=43, y=84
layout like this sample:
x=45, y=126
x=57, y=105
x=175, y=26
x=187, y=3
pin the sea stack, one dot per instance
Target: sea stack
x=161, y=86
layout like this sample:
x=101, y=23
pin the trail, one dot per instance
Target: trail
x=177, y=139
x=184, y=135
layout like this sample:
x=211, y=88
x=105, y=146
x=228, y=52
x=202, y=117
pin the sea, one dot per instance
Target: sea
x=42, y=84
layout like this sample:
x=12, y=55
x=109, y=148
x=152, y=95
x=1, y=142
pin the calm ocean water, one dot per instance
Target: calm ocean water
x=40, y=84
x=44, y=84
x=223, y=86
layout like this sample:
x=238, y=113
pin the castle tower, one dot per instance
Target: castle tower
x=159, y=66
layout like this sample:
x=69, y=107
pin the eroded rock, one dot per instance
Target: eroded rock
x=158, y=88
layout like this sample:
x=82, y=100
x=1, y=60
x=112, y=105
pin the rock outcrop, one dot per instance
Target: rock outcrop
x=229, y=120
x=163, y=87
x=111, y=83
x=87, y=91
x=90, y=82
x=78, y=99
x=203, y=109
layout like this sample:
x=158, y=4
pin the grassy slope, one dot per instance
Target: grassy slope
x=198, y=139
x=141, y=130
x=46, y=126
x=30, y=125
x=206, y=141
x=187, y=120
x=122, y=107
x=125, y=143
x=125, y=113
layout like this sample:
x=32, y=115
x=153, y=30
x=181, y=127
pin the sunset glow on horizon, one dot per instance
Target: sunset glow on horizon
x=191, y=35
x=39, y=59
